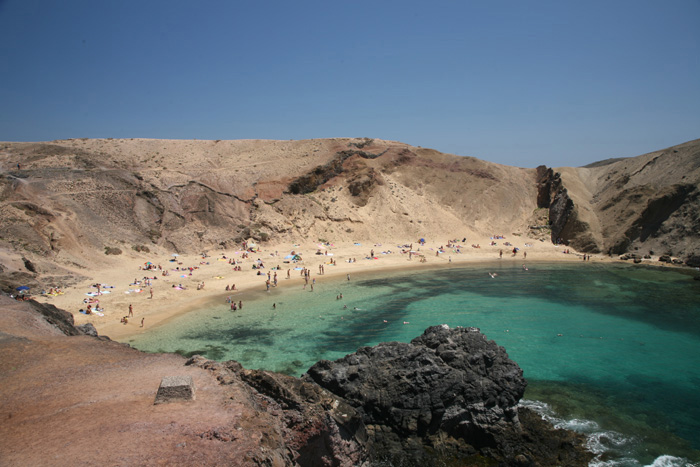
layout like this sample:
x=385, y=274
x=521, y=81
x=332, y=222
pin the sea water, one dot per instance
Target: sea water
x=612, y=351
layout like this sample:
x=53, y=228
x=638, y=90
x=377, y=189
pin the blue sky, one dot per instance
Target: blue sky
x=520, y=83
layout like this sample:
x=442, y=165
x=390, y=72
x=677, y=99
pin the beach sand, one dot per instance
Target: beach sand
x=124, y=279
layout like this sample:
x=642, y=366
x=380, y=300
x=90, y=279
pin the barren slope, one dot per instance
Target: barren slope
x=71, y=200
x=646, y=203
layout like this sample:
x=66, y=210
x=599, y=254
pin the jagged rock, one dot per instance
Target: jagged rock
x=693, y=261
x=548, y=182
x=309, y=425
x=450, y=393
x=57, y=317
x=29, y=265
x=88, y=329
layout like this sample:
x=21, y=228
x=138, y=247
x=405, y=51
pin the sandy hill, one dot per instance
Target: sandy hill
x=71, y=201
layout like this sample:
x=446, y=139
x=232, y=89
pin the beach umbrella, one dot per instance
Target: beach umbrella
x=22, y=287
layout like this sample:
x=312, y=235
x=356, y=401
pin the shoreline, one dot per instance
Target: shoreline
x=215, y=272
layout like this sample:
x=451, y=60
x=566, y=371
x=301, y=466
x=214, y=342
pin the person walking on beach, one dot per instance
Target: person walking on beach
x=131, y=310
x=151, y=293
x=142, y=320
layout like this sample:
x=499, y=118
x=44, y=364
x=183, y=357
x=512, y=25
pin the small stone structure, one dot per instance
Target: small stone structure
x=175, y=388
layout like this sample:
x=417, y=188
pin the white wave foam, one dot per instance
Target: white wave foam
x=661, y=461
x=604, y=441
x=671, y=461
x=600, y=442
x=580, y=426
x=624, y=462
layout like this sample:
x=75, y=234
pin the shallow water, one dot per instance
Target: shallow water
x=612, y=350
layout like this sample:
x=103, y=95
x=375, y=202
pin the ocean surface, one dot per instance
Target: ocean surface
x=612, y=351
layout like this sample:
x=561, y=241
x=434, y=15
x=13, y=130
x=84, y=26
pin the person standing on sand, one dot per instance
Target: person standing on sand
x=131, y=310
x=151, y=293
x=500, y=254
x=142, y=320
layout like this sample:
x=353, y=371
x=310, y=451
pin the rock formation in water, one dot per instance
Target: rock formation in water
x=450, y=394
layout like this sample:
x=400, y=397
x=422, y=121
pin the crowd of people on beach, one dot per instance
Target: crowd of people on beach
x=238, y=259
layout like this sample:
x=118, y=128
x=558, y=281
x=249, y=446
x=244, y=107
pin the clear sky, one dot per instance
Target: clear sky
x=523, y=83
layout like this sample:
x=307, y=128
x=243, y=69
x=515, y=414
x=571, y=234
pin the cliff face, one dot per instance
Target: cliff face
x=648, y=204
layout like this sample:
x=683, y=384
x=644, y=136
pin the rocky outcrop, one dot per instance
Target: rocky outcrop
x=548, y=183
x=306, y=425
x=553, y=195
x=449, y=394
x=61, y=319
x=565, y=223
x=321, y=174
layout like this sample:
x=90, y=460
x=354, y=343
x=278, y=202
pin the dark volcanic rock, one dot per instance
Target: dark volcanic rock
x=449, y=394
x=693, y=261
x=88, y=329
x=548, y=182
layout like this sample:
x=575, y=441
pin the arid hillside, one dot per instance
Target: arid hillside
x=70, y=202
x=648, y=204
x=67, y=205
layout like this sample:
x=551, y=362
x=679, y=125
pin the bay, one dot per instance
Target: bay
x=609, y=350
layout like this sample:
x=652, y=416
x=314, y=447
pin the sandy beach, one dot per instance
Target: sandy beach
x=195, y=280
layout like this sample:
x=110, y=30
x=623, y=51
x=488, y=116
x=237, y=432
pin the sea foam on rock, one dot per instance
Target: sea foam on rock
x=450, y=394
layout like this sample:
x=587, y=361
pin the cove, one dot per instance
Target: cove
x=610, y=350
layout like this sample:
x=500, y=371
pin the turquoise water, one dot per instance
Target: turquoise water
x=612, y=351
